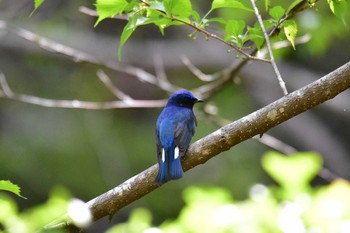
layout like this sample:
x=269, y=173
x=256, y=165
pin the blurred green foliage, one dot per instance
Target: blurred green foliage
x=12, y=220
x=292, y=206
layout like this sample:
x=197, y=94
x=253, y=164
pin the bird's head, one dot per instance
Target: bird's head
x=183, y=98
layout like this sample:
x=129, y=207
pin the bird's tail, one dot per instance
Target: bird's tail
x=170, y=167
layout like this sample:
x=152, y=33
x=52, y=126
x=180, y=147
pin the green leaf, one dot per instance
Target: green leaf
x=256, y=35
x=293, y=172
x=37, y=3
x=135, y=20
x=339, y=8
x=267, y=4
x=217, y=20
x=180, y=8
x=196, y=16
x=159, y=6
x=235, y=27
x=128, y=29
x=109, y=8
x=277, y=12
x=9, y=186
x=229, y=4
x=294, y=4
x=290, y=29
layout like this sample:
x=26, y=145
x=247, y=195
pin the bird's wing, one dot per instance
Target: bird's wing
x=159, y=145
x=183, y=133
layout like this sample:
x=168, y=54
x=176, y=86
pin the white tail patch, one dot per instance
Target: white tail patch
x=176, y=152
x=163, y=155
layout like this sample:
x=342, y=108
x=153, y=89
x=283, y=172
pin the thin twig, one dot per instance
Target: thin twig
x=267, y=40
x=7, y=93
x=197, y=72
x=79, y=56
x=216, y=37
x=111, y=87
x=159, y=68
x=285, y=44
x=162, y=79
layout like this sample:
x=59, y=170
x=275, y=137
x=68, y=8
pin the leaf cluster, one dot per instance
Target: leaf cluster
x=236, y=32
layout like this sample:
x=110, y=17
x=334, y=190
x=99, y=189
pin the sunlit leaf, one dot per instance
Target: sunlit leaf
x=159, y=6
x=10, y=187
x=277, y=12
x=294, y=4
x=109, y=8
x=290, y=29
x=235, y=27
x=256, y=35
x=153, y=17
x=339, y=8
x=217, y=20
x=234, y=30
x=293, y=172
x=128, y=29
x=139, y=221
x=196, y=16
x=50, y=213
x=229, y=3
x=180, y=8
x=37, y=3
x=267, y=4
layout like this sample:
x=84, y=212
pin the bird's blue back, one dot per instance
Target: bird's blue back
x=174, y=130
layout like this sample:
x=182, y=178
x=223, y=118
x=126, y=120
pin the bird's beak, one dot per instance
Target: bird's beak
x=199, y=101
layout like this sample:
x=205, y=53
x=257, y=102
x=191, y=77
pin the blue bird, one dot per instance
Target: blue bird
x=175, y=128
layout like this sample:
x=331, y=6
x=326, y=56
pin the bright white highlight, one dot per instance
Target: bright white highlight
x=290, y=219
x=163, y=155
x=80, y=213
x=176, y=152
x=153, y=230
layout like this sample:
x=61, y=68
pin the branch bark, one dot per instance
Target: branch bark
x=256, y=123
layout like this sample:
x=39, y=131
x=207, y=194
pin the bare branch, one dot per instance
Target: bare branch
x=216, y=37
x=269, y=141
x=7, y=93
x=285, y=44
x=159, y=68
x=163, y=81
x=78, y=56
x=267, y=41
x=110, y=86
x=197, y=72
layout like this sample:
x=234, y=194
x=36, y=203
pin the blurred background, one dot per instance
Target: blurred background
x=91, y=151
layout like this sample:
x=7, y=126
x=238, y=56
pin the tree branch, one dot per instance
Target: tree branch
x=79, y=56
x=269, y=49
x=256, y=123
x=270, y=141
x=125, y=102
